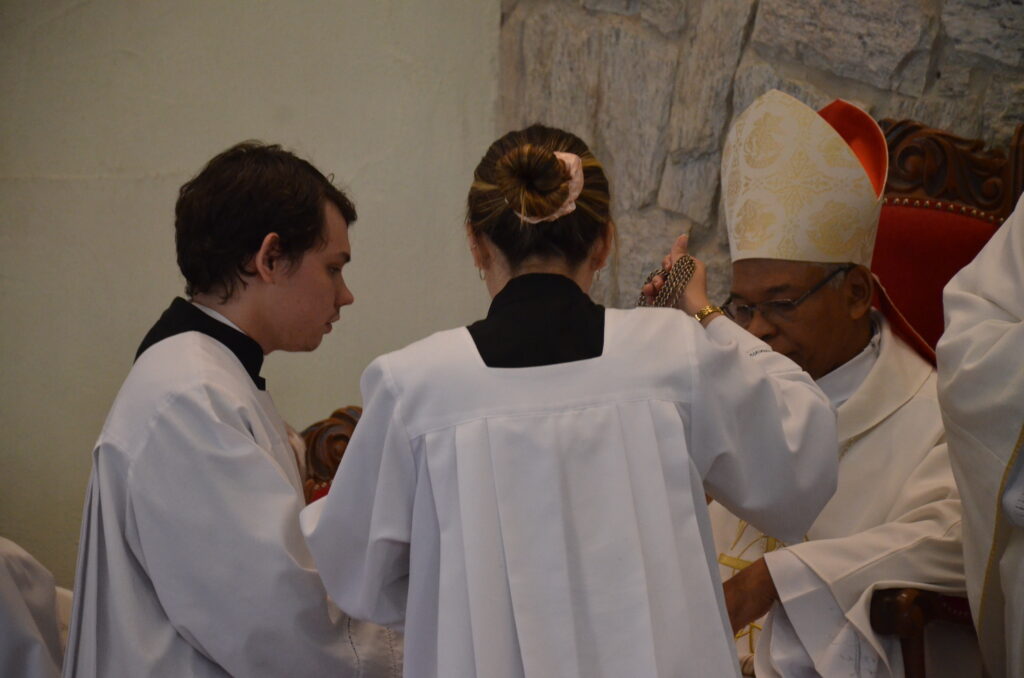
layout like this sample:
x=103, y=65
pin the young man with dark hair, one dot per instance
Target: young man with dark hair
x=191, y=562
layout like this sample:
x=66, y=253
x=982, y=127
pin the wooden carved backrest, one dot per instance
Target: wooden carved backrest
x=944, y=198
x=326, y=441
x=929, y=165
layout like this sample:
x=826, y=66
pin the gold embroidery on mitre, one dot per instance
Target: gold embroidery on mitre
x=732, y=160
x=753, y=225
x=837, y=230
x=868, y=235
x=787, y=247
x=733, y=140
x=783, y=166
x=797, y=183
x=837, y=153
x=731, y=185
x=763, y=147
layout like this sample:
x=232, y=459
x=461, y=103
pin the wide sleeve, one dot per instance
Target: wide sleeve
x=918, y=545
x=360, y=532
x=213, y=519
x=981, y=353
x=762, y=433
x=825, y=585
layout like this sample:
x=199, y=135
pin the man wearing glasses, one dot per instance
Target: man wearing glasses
x=802, y=194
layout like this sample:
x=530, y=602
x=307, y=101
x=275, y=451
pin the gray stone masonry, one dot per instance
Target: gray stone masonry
x=653, y=85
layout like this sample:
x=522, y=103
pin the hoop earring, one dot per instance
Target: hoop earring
x=597, y=274
x=480, y=272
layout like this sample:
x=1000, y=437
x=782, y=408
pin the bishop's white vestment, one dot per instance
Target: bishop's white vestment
x=894, y=521
x=550, y=520
x=981, y=388
x=191, y=561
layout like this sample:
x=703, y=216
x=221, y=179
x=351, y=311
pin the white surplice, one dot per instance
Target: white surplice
x=191, y=561
x=981, y=388
x=550, y=521
x=894, y=521
x=30, y=643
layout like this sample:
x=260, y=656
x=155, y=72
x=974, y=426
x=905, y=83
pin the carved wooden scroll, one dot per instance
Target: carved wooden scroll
x=326, y=441
x=932, y=168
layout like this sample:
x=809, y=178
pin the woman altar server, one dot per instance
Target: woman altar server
x=981, y=390
x=526, y=494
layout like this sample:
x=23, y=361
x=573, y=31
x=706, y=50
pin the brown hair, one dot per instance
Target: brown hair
x=248, y=191
x=520, y=175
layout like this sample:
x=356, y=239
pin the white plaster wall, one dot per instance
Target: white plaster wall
x=109, y=106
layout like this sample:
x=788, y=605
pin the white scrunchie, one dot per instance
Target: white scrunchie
x=574, y=166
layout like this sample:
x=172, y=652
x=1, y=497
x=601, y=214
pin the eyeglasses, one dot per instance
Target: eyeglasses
x=777, y=309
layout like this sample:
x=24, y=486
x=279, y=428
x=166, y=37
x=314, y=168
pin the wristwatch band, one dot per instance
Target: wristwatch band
x=706, y=311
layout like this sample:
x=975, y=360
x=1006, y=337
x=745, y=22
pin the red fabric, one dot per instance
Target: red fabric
x=899, y=324
x=864, y=137
x=917, y=251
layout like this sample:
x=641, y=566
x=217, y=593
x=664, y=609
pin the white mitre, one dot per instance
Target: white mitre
x=803, y=185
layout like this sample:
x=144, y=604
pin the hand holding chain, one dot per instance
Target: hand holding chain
x=676, y=279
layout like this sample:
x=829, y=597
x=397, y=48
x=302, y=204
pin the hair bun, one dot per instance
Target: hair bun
x=532, y=180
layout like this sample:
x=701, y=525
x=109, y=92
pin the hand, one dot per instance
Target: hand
x=695, y=296
x=749, y=594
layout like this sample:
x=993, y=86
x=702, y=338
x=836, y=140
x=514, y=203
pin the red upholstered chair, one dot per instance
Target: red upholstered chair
x=944, y=199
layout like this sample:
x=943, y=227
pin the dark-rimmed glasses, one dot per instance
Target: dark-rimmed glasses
x=776, y=309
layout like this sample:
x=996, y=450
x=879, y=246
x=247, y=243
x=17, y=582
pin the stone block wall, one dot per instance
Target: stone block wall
x=653, y=85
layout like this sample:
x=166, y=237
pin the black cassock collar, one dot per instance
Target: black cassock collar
x=181, y=316
x=539, y=319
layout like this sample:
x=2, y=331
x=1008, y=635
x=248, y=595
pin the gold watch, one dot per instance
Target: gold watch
x=706, y=311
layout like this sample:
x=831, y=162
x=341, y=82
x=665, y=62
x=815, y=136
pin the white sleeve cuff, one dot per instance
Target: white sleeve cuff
x=792, y=578
x=832, y=644
x=812, y=609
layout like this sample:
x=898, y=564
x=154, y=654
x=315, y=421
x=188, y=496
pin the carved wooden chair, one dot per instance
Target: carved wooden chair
x=944, y=198
x=326, y=441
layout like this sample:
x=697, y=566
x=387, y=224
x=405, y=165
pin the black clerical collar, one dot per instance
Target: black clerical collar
x=539, y=319
x=183, y=317
x=533, y=286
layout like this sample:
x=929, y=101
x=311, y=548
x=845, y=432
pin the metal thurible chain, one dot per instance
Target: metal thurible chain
x=676, y=279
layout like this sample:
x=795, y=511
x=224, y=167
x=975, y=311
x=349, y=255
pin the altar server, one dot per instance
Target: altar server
x=526, y=494
x=981, y=389
x=802, y=193
x=191, y=560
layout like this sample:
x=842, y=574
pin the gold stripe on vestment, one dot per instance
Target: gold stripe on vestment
x=1000, y=528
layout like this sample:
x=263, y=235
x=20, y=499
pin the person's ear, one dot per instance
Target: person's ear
x=602, y=249
x=268, y=262
x=481, y=255
x=859, y=290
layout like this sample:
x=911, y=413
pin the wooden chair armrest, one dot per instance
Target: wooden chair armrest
x=905, y=612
